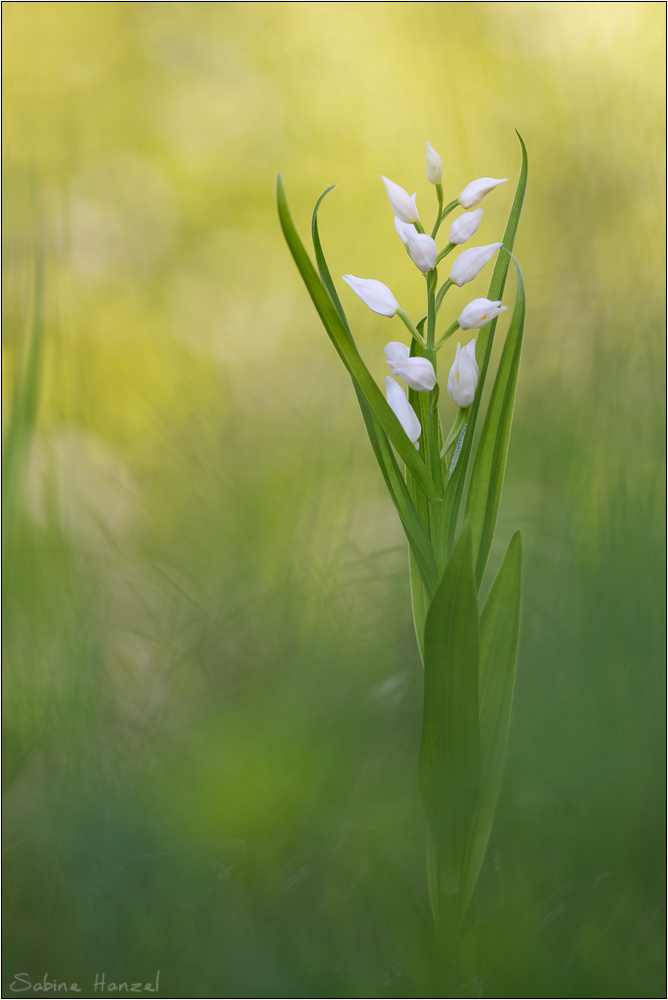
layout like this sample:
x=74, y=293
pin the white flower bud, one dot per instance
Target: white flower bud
x=374, y=294
x=463, y=377
x=400, y=201
x=478, y=312
x=422, y=249
x=463, y=228
x=396, y=397
x=434, y=165
x=474, y=192
x=471, y=262
x=404, y=227
x=418, y=373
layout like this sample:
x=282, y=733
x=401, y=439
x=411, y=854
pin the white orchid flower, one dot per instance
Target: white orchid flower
x=474, y=192
x=423, y=250
x=434, y=165
x=374, y=294
x=400, y=201
x=471, y=262
x=403, y=228
x=463, y=377
x=396, y=397
x=417, y=373
x=478, y=312
x=463, y=228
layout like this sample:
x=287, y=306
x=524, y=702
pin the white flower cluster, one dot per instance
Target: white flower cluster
x=418, y=372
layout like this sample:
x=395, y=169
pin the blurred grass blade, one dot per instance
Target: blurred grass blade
x=447, y=526
x=418, y=538
x=25, y=400
x=489, y=467
x=404, y=918
x=499, y=639
x=449, y=766
x=347, y=351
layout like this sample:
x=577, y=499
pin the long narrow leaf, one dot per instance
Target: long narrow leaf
x=347, y=351
x=418, y=538
x=499, y=639
x=489, y=467
x=322, y=263
x=419, y=603
x=449, y=766
x=449, y=513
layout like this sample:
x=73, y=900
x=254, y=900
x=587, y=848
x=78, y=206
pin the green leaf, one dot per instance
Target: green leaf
x=449, y=512
x=322, y=263
x=340, y=337
x=449, y=766
x=489, y=467
x=418, y=539
x=419, y=603
x=499, y=639
x=500, y=273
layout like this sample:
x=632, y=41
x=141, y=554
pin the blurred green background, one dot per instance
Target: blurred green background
x=212, y=689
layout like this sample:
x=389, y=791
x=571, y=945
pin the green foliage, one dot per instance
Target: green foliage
x=449, y=768
x=489, y=467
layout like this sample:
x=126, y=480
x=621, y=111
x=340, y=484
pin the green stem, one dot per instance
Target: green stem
x=432, y=281
x=413, y=330
x=441, y=293
x=459, y=422
x=439, y=195
x=448, y=333
x=444, y=253
x=432, y=445
x=443, y=214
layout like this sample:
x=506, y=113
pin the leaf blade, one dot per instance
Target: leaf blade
x=322, y=263
x=489, y=468
x=449, y=764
